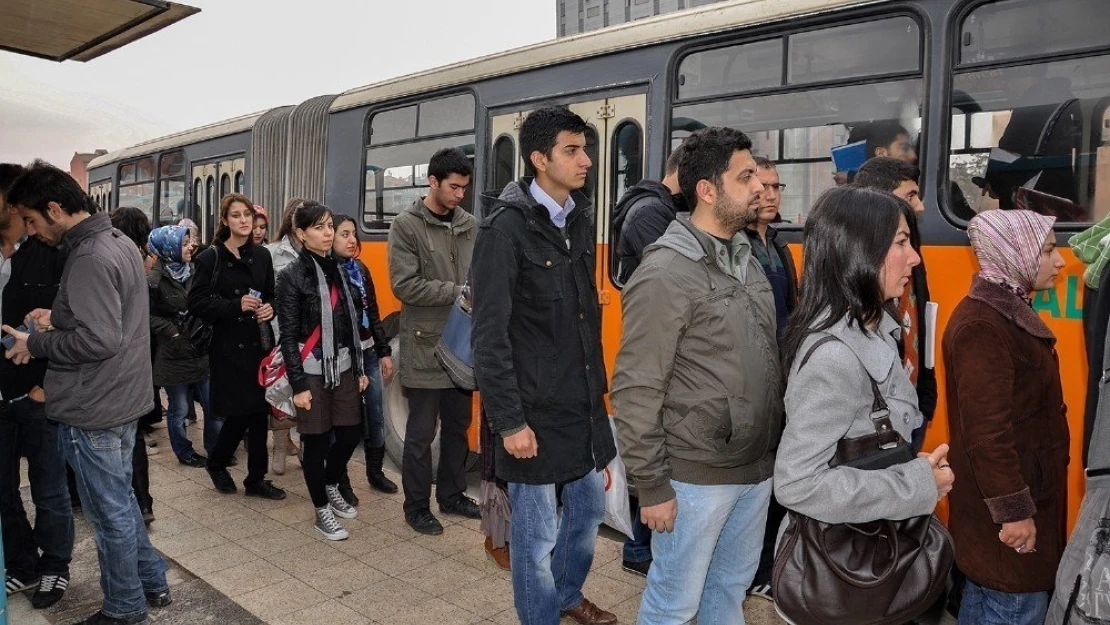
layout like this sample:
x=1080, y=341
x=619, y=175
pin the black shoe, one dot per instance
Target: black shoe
x=195, y=460
x=636, y=568
x=264, y=489
x=222, y=481
x=50, y=591
x=100, y=619
x=348, y=494
x=462, y=506
x=13, y=584
x=424, y=522
x=158, y=599
x=378, y=481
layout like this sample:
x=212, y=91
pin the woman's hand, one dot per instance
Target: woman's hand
x=303, y=400
x=250, y=303
x=386, y=364
x=264, y=313
x=942, y=472
x=363, y=382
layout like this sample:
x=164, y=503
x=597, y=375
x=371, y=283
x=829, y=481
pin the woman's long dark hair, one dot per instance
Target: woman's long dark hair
x=847, y=237
x=286, y=229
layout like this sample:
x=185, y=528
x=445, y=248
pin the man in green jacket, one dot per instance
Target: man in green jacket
x=698, y=390
x=430, y=246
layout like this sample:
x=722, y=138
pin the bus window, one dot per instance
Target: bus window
x=798, y=129
x=888, y=46
x=504, y=157
x=240, y=181
x=1029, y=136
x=171, y=179
x=748, y=66
x=137, y=186
x=397, y=155
x=592, y=150
x=213, y=208
x=1017, y=29
x=628, y=160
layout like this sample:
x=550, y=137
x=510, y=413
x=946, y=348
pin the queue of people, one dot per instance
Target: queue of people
x=744, y=395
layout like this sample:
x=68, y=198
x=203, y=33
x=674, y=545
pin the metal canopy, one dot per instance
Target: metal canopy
x=81, y=30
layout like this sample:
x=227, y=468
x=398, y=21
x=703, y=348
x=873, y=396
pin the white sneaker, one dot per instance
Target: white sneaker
x=328, y=526
x=763, y=591
x=338, y=504
x=151, y=450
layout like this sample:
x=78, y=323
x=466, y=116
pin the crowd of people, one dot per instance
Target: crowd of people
x=737, y=385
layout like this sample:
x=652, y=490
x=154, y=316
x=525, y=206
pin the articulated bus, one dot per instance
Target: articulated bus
x=965, y=77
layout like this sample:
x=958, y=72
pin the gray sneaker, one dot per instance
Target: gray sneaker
x=338, y=504
x=328, y=526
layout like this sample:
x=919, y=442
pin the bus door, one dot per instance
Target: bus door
x=616, y=144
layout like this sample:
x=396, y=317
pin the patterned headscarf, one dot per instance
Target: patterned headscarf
x=166, y=242
x=1008, y=245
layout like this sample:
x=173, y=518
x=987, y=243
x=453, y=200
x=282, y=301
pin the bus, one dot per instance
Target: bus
x=969, y=79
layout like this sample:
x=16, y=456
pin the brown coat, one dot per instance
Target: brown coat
x=1009, y=438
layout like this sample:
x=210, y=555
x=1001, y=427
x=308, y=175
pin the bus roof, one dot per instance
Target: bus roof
x=211, y=131
x=661, y=28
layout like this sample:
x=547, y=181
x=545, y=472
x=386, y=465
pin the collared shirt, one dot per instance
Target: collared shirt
x=6, y=268
x=558, y=213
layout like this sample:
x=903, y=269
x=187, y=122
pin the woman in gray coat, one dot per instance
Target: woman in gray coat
x=858, y=258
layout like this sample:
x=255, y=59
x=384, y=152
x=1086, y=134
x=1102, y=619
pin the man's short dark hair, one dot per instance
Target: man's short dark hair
x=133, y=223
x=8, y=173
x=449, y=161
x=886, y=173
x=878, y=134
x=707, y=155
x=42, y=183
x=675, y=159
x=762, y=162
x=540, y=132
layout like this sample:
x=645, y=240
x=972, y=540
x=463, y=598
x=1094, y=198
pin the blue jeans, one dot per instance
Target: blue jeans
x=637, y=548
x=180, y=396
x=983, y=606
x=25, y=431
x=705, y=566
x=129, y=565
x=553, y=550
x=372, y=408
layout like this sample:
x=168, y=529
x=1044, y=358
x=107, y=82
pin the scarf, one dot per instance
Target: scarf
x=354, y=273
x=327, y=325
x=166, y=243
x=1008, y=245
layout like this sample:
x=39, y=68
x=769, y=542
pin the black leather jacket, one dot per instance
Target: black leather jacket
x=298, y=311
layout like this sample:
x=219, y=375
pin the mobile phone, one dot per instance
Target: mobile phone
x=8, y=340
x=254, y=293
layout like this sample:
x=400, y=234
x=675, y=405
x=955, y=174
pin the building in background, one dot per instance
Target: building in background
x=579, y=16
x=79, y=166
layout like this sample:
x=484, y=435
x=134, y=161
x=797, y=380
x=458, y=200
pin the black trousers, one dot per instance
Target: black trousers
x=450, y=407
x=140, y=472
x=255, y=426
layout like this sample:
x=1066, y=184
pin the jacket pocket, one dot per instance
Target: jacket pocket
x=1039, y=473
x=425, y=336
x=541, y=275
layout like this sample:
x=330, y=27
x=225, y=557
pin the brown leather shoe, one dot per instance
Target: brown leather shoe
x=499, y=556
x=589, y=614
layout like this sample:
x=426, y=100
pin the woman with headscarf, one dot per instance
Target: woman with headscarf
x=178, y=363
x=1009, y=434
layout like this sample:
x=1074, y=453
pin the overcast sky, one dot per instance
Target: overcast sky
x=241, y=56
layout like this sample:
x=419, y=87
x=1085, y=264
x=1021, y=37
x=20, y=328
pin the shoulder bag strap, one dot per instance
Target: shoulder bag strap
x=878, y=404
x=314, y=338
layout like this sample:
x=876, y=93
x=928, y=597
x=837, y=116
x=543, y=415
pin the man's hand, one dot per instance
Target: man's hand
x=18, y=354
x=1021, y=535
x=37, y=395
x=264, y=313
x=386, y=364
x=303, y=400
x=363, y=382
x=40, y=317
x=522, y=444
x=661, y=516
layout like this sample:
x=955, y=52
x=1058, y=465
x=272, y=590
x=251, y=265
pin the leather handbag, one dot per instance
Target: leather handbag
x=272, y=375
x=883, y=572
x=453, y=349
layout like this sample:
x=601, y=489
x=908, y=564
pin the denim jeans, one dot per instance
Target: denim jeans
x=25, y=431
x=180, y=396
x=637, y=548
x=983, y=606
x=705, y=566
x=129, y=565
x=372, y=408
x=553, y=549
